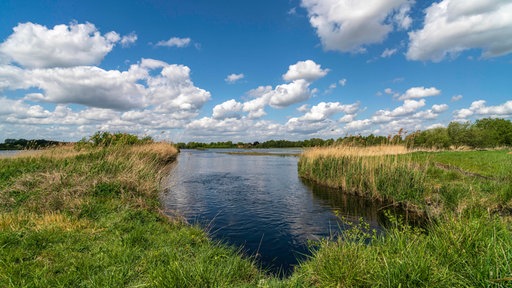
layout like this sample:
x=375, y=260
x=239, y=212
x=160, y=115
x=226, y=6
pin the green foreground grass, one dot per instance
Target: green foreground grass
x=92, y=219
x=465, y=195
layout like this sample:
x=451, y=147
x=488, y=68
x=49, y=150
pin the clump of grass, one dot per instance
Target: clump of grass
x=90, y=216
x=468, y=251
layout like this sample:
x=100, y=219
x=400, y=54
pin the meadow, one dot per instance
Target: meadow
x=79, y=216
x=89, y=215
x=465, y=195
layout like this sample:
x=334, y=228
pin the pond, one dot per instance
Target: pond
x=260, y=204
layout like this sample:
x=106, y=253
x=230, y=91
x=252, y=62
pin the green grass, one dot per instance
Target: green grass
x=471, y=252
x=425, y=182
x=466, y=195
x=92, y=219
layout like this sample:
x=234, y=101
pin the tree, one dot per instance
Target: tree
x=459, y=133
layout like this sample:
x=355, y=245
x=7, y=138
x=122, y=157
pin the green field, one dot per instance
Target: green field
x=465, y=195
x=87, y=216
x=92, y=218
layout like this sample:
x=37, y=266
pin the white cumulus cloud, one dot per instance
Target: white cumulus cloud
x=129, y=39
x=324, y=110
x=453, y=26
x=36, y=46
x=287, y=94
x=456, y=98
x=419, y=92
x=232, y=78
x=175, y=42
x=307, y=70
x=228, y=109
x=347, y=25
x=481, y=109
x=169, y=90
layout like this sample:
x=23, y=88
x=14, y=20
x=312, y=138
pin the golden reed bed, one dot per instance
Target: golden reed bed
x=338, y=151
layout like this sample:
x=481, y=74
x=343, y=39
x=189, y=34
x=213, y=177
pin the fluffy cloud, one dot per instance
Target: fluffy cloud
x=388, y=53
x=87, y=85
x=129, y=39
x=452, y=26
x=346, y=25
x=36, y=46
x=287, y=94
x=169, y=91
x=9, y=106
x=228, y=109
x=301, y=74
x=358, y=125
x=432, y=113
x=150, y=97
x=307, y=70
x=282, y=96
x=456, y=98
x=175, y=42
x=408, y=108
x=480, y=108
x=232, y=78
x=419, y=92
x=324, y=110
x=317, y=118
x=245, y=130
x=256, y=106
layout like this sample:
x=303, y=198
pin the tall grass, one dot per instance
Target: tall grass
x=468, y=244
x=381, y=172
x=472, y=251
x=91, y=217
x=426, y=182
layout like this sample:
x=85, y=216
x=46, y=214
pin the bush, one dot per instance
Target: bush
x=107, y=139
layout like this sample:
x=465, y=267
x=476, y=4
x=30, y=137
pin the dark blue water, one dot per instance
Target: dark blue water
x=260, y=204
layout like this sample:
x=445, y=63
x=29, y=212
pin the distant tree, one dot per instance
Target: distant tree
x=496, y=131
x=459, y=133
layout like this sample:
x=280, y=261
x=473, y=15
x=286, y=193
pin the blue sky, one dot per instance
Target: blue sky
x=250, y=70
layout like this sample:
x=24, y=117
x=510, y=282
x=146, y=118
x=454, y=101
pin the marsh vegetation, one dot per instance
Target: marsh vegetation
x=466, y=195
x=90, y=215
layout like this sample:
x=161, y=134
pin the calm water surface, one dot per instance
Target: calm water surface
x=8, y=153
x=259, y=203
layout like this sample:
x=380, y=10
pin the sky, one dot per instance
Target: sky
x=245, y=71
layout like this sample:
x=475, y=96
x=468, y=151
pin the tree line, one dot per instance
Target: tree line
x=483, y=133
x=23, y=144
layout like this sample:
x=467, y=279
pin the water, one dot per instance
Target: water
x=260, y=204
x=8, y=153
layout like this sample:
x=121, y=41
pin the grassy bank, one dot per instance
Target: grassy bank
x=474, y=251
x=466, y=195
x=431, y=183
x=91, y=218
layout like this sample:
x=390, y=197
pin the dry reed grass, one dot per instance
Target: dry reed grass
x=340, y=151
x=56, y=186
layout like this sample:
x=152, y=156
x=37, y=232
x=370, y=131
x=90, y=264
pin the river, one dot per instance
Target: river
x=258, y=203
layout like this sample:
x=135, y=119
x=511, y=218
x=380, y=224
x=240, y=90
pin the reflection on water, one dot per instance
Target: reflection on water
x=259, y=203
